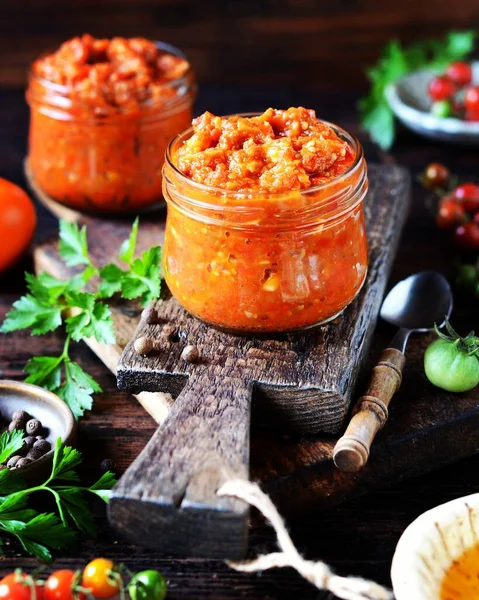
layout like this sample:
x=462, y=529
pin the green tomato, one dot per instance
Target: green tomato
x=450, y=367
x=441, y=109
x=147, y=585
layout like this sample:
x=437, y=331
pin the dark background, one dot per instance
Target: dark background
x=322, y=45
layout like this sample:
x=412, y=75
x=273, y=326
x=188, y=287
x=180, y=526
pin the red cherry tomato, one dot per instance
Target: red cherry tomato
x=17, y=223
x=472, y=115
x=450, y=214
x=476, y=218
x=63, y=585
x=19, y=586
x=471, y=99
x=435, y=175
x=459, y=73
x=101, y=578
x=441, y=88
x=468, y=195
x=467, y=236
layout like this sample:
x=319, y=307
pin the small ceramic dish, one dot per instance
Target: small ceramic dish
x=430, y=544
x=55, y=416
x=409, y=100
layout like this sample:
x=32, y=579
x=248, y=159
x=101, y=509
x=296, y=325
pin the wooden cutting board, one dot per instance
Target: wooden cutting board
x=427, y=427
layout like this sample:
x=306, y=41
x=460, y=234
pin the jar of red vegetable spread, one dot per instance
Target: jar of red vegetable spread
x=265, y=227
x=102, y=114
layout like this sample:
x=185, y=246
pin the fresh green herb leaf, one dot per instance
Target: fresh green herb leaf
x=32, y=312
x=73, y=246
x=395, y=62
x=45, y=371
x=10, y=442
x=127, y=250
x=51, y=301
x=38, y=533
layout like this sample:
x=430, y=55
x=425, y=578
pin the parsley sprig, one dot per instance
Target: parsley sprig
x=39, y=533
x=395, y=62
x=80, y=304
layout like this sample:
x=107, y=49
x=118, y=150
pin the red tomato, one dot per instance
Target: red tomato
x=467, y=235
x=471, y=99
x=472, y=115
x=63, y=585
x=19, y=586
x=476, y=218
x=441, y=88
x=468, y=195
x=435, y=175
x=17, y=223
x=459, y=73
x=450, y=214
x=101, y=578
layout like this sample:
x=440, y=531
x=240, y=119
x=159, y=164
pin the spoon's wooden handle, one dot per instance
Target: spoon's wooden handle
x=370, y=414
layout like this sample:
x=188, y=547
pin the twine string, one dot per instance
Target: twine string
x=317, y=573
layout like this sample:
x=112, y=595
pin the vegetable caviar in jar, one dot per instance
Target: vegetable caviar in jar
x=101, y=115
x=265, y=227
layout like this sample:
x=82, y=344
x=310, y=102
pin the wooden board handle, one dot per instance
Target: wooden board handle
x=167, y=498
x=370, y=414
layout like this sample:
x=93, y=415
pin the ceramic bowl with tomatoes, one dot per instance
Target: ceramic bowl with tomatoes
x=440, y=106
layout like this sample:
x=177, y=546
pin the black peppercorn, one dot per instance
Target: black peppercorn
x=12, y=462
x=42, y=445
x=16, y=425
x=33, y=427
x=21, y=415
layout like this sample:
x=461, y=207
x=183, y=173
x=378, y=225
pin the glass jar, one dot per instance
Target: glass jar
x=104, y=160
x=265, y=262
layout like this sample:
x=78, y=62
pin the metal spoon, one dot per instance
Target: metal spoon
x=414, y=305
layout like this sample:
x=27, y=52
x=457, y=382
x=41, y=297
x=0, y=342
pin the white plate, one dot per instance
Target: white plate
x=409, y=101
x=430, y=544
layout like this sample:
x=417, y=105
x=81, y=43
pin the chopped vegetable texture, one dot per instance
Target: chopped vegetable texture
x=278, y=151
x=102, y=114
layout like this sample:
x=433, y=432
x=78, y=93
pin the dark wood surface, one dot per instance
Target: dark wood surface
x=357, y=537
x=318, y=44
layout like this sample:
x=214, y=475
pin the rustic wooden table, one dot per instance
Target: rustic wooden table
x=357, y=537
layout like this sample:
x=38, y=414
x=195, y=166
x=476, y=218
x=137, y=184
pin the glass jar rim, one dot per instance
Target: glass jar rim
x=185, y=78
x=213, y=190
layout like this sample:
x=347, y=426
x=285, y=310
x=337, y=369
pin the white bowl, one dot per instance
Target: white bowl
x=430, y=544
x=409, y=101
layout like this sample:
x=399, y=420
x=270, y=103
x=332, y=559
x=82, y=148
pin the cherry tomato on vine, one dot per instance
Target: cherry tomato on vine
x=147, y=585
x=471, y=99
x=460, y=73
x=450, y=214
x=63, y=585
x=102, y=578
x=19, y=586
x=435, y=175
x=468, y=195
x=17, y=223
x=441, y=88
x=467, y=236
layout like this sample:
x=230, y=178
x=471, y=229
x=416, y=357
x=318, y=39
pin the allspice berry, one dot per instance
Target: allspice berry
x=29, y=441
x=150, y=315
x=12, y=462
x=190, y=354
x=42, y=446
x=21, y=415
x=34, y=454
x=16, y=424
x=33, y=427
x=23, y=462
x=143, y=345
